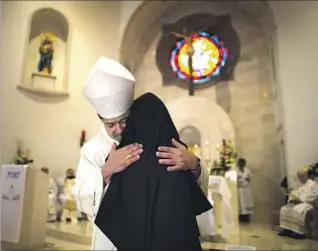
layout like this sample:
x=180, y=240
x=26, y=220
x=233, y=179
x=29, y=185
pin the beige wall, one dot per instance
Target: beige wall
x=1, y=65
x=297, y=64
x=127, y=9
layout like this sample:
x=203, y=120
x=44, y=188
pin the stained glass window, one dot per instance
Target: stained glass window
x=209, y=58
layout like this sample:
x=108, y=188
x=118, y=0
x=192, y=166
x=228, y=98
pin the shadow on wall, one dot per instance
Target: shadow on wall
x=223, y=95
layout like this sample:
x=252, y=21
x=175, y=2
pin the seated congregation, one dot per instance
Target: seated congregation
x=299, y=216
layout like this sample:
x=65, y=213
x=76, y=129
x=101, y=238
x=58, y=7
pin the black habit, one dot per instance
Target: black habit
x=147, y=207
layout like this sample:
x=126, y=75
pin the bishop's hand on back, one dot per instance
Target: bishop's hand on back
x=119, y=159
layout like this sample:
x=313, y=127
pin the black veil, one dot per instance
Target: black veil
x=147, y=207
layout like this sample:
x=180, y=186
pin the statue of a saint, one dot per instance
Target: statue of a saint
x=46, y=51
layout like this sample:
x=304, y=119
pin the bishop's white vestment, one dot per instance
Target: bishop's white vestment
x=293, y=216
x=89, y=183
x=110, y=90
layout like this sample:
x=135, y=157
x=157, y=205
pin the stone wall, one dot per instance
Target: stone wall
x=248, y=100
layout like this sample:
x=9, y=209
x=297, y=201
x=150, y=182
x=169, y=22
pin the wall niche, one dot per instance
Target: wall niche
x=190, y=135
x=46, y=61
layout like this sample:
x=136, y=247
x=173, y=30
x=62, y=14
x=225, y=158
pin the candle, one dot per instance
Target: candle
x=83, y=138
x=196, y=149
x=199, y=152
x=206, y=153
x=218, y=149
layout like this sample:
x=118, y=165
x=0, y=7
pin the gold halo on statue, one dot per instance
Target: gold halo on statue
x=48, y=35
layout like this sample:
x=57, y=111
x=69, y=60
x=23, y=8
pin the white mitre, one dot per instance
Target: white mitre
x=110, y=88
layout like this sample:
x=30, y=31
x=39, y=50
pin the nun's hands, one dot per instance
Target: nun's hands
x=119, y=160
x=177, y=157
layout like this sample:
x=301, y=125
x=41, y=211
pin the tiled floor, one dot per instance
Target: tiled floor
x=264, y=238
x=57, y=244
x=260, y=236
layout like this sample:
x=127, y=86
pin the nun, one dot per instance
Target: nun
x=148, y=207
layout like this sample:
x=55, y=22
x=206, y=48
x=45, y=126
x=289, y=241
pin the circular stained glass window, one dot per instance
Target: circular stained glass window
x=209, y=58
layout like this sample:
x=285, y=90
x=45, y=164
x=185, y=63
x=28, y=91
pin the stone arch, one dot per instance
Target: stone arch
x=190, y=135
x=145, y=22
x=212, y=128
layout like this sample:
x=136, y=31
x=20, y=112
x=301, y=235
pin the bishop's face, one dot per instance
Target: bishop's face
x=114, y=127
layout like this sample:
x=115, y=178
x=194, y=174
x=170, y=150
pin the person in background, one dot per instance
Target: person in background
x=53, y=206
x=301, y=199
x=66, y=197
x=246, y=202
x=69, y=200
x=60, y=197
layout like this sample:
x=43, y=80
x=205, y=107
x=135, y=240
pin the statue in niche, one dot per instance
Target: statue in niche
x=46, y=51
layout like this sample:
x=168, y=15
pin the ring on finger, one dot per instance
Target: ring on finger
x=128, y=156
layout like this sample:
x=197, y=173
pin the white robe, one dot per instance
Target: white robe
x=292, y=217
x=206, y=220
x=246, y=202
x=53, y=205
x=89, y=183
x=62, y=196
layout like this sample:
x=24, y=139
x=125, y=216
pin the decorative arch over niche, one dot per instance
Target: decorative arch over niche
x=190, y=135
x=47, y=21
x=213, y=129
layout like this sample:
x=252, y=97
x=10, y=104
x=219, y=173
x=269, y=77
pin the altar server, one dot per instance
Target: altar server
x=69, y=202
x=110, y=90
x=246, y=201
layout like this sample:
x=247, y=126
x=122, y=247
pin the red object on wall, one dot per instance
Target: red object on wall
x=83, y=138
